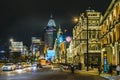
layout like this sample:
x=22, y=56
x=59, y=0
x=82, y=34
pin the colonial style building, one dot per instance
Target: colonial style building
x=110, y=31
x=86, y=44
x=70, y=53
x=99, y=36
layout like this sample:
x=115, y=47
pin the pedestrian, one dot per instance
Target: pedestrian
x=118, y=69
x=91, y=65
x=72, y=68
x=110, y=69
x=100, y=68
x=79, y=65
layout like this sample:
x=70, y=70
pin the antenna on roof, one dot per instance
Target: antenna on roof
x=51, y=16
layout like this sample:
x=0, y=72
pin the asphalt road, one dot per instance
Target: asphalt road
x=44, y=74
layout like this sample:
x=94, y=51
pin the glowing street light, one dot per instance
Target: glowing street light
x=75, y=19
x=11, y=39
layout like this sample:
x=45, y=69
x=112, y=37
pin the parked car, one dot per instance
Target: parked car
x=24, y=64
x=29, y=64
x=19, y=66
x=8, y=66
x=65, y=66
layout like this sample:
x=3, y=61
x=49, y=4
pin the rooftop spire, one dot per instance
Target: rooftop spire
x=59, y=30
x=51, y=22
x=51, y=16
x=90, y=9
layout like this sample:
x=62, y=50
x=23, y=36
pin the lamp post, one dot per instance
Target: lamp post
x=87, y=45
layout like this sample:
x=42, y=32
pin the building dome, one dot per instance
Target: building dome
x=51, y=22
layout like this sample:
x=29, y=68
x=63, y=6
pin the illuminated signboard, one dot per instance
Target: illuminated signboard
x=68, y=38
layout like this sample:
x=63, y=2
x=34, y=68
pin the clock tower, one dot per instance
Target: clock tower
x=50, y=33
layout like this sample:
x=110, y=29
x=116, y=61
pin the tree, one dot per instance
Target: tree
x=15, y=57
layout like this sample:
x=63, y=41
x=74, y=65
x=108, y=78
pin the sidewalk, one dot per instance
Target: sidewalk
x=105, y=75
x=95, y=72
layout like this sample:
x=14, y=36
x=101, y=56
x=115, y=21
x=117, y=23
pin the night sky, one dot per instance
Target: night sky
x=22, y=19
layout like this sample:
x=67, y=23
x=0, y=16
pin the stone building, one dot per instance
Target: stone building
x=86, y=44
x=110, y=31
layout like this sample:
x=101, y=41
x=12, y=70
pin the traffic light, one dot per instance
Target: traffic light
x=105, y=54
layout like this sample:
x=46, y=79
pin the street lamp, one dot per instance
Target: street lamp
x=75, y=19
x=11, y=39
x=87, y=44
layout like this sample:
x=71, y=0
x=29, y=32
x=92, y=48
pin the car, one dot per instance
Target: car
x=24, y=64
x=19, y=66
x=8, y=66
x=29, y=64
x=34, y=64
x=65, y=66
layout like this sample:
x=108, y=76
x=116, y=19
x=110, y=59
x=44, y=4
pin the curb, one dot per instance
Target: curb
x=95, y=73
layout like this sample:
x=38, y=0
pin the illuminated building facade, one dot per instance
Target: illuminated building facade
x=110, y=31
x=103, y=36
x=88, y=21
x=57, y=46
x=70, y=53
x=16, y=47
x=18, y=51
x=36, y=41
x=37, y=49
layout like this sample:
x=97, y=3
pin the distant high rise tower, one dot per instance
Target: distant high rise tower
x=60, y=35
x=50, y=33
